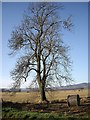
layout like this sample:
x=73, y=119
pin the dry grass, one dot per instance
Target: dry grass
x=27, y=103
x=34, y=97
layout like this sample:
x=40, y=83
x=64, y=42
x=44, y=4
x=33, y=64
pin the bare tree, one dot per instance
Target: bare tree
x=39, y=38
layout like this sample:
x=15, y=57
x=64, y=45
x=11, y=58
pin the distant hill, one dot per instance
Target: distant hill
x=75, y=86
x=69, y=87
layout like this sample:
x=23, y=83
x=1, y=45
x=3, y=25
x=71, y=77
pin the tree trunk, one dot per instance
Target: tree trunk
x=41, y=82
x=42, y=93
x=41, y=88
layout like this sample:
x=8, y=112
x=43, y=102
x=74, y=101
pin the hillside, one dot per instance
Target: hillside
x=75, y=86
x=69, y=87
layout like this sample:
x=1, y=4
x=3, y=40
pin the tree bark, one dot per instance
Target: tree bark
x=41, y=84
x=42, y=93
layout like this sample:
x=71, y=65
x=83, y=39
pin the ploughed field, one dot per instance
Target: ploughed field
x=29, y=103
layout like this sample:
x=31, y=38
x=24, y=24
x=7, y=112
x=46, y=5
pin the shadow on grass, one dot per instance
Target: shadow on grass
x=26, y=111
x=25, y=106
x=17, y=106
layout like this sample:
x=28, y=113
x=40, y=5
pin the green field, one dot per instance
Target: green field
x=10, y=113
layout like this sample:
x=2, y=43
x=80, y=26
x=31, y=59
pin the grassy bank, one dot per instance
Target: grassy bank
x=13, y=114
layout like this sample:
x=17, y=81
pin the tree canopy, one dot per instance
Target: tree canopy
x=44, y=52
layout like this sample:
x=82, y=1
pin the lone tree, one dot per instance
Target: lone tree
x=43, y=52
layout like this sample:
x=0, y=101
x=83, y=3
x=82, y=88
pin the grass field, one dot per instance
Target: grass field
x=27, y=115
x=27, y=106
x=34, y=97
